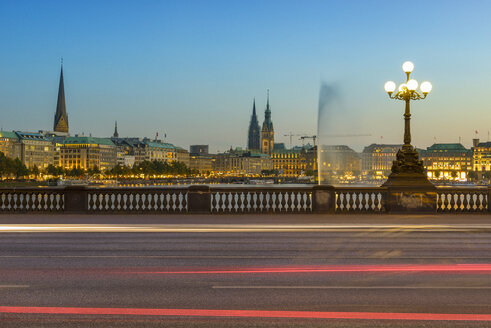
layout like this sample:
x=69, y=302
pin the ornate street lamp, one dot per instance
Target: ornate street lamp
x=407, y=169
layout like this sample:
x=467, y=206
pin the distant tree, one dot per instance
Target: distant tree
x=437, y=173
x=34, y=171
x=487, y=175
x=20, y=169
x=454, y=174
x=472, y=175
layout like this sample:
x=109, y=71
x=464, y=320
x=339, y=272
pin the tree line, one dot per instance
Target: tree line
x=14, y=168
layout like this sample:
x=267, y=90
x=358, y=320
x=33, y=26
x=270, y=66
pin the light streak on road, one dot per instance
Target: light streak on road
x=414, y=268
x=242, y=228
x=246, y=313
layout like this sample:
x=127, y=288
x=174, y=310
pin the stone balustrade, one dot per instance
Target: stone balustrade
x=245, y=199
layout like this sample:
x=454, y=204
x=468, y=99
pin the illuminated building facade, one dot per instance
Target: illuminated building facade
x=376, y=159
x=88, y=152
x=161, y=152
x=339, y=162
x=481, y=156
x=182, y=155
x=450, y=161
x=200, y=163
x=35, y=150
x=290, y=162
x=9, y=144
x=239, y=162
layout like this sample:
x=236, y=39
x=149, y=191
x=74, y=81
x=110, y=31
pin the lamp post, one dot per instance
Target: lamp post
x=407, y=169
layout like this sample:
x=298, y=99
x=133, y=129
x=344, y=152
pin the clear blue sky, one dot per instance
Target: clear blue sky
x=191, y=69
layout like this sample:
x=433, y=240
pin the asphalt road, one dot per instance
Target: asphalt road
x=245, y=271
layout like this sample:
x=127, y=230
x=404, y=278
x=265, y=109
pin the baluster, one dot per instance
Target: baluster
x=214, y=202
x=452, y=202
x=146, y=201
x=36, y=202
x=377, y=202
x=43, y=202
x=245, y=202
x=62, y=201
x=480, y=197
x=270, y=195
x=172, y=202
x=369, y=202
x=356, y=199
x=485, y=202
x=288, y=202
x=471, y=203
x=239, y=202
x=351, y=201
x=134, y=201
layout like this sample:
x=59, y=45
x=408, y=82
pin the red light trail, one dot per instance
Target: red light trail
x=246, y=313
x=450, y=268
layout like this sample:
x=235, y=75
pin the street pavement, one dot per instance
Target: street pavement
x=245, y=271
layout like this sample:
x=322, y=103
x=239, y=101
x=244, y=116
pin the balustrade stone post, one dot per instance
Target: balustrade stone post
x=411, y=199
x=76, y=199
x=199, y=199
x=323, y=199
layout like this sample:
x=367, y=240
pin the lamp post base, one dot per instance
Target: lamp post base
x=407, y=169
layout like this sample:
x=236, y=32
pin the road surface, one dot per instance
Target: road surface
x=245, y=271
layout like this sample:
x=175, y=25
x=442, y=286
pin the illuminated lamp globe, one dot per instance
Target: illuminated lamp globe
x=389, y=86
x=401, y=87
x=408, y=67
x=412, y=85
x=426, y=87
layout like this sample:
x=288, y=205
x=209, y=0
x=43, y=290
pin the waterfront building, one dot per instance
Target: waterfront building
x=481, y=156
x=35, y=149
x=200, y=163
x=289, y=162
x=254, y=134
x=182, y=155
x=9, y=144
x=61, y=117
x=449, y=161
x=160, y=151
x=377, y=159
x=338, y=162
x=294, y=162
x=240, y=162
x=87, y=153
x=267, y=132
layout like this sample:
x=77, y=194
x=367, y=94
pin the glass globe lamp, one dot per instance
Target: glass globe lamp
x=426, y=87
x=389, y=86
x=408, y=67
x=412, y=85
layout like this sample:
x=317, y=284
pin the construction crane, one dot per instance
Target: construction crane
x=333, y=136
x=308, y=137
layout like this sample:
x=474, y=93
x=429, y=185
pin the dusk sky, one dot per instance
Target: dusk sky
x=190, y=69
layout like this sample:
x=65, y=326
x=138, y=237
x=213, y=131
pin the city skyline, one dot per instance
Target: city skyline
x=199, y=78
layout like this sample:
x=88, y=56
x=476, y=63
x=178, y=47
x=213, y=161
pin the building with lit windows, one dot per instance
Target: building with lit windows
x=9, y=144
x=35, y=150
x=450, y=161
x=290, y=162
x=182, y=156
x=240, y=162
x=160, y=151
x=376, y=160
x=88, y=152
x=481, y=156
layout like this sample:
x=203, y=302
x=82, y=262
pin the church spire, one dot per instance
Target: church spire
x=61, y=117
x=116, y=134
x=254, y=137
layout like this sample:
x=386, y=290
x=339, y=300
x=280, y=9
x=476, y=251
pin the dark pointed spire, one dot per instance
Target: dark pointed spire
x=267, y=116
x=116, y=134
x=61, y=117
x=254, y=138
